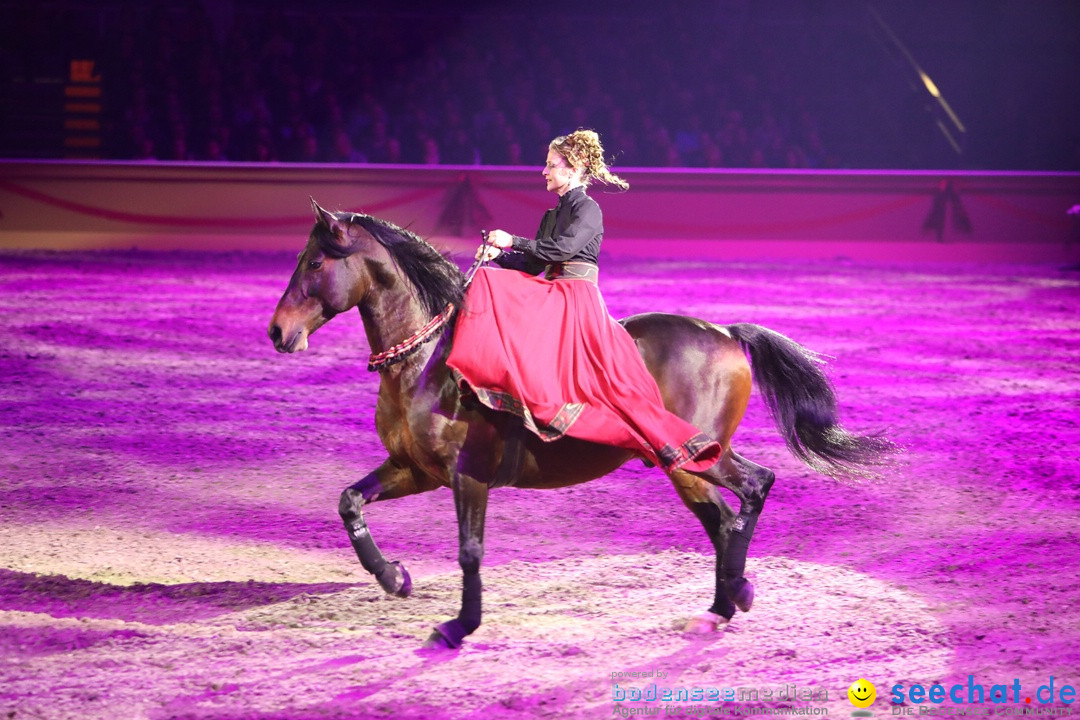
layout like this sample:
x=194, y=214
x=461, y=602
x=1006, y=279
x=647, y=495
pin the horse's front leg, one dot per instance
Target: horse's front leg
x=470, y=501
x=387, y=482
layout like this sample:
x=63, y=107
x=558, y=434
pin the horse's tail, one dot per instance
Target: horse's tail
x=803, y=405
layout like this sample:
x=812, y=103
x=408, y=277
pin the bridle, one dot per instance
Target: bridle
x=405, y=348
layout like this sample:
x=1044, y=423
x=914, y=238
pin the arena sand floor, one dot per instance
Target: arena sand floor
x=170, y=546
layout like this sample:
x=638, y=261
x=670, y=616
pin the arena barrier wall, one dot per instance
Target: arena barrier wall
x=738, y=214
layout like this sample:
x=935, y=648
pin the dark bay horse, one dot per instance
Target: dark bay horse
x=407, y=293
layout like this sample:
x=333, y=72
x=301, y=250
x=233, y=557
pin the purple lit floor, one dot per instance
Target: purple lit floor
x=170, y=548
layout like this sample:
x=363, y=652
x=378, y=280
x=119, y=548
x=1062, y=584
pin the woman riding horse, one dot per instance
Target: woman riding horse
x=577, y=378
x=546, y=348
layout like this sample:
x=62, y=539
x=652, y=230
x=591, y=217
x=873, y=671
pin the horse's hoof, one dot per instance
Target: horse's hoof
x=447, y=636
x=743, y=597
x=395, y=580
x=705, y=623
x=437, y=641
x=406, y=582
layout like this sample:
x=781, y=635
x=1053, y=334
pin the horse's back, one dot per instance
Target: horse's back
x=701, y=369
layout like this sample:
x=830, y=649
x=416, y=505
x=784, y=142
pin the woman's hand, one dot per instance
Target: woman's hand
x=500, y=238
x=487, y=252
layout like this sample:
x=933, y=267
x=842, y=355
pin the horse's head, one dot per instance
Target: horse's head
x=328, y=279
x=351, y=259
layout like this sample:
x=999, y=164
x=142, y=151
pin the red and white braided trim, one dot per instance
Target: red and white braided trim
x=377, y=361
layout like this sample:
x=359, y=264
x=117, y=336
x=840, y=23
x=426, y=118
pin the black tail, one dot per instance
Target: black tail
x=803, y=405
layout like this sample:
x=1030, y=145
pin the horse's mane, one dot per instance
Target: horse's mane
x=436, y=279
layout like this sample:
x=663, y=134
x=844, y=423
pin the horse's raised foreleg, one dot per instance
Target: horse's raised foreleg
x=470, y=501
x=751, y=484
x=388, y=481
x=716, y=516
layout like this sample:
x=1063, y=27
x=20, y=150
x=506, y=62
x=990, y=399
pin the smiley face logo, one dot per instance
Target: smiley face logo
x=862, y=693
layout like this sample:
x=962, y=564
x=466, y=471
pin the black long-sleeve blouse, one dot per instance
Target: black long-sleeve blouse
x=572, y=230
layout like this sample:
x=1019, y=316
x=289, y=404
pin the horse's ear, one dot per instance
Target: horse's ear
x=328, y=220
x=322, y=216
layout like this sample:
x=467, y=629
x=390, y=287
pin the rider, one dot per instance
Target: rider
x=546, y=349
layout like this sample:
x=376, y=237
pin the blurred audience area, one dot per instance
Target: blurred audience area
x=732, y=83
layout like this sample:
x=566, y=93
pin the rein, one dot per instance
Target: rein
x=480, y=261
x=397, y=353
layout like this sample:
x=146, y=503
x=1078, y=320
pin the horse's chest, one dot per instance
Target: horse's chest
x=418, y=437
x=394, y=432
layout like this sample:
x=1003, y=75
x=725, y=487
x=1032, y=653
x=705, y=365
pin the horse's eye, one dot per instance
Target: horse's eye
x=314, y=264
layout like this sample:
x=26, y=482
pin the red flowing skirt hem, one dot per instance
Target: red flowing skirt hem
x=549, y=352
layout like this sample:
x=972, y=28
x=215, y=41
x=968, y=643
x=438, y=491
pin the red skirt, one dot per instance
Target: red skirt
x=548, y=351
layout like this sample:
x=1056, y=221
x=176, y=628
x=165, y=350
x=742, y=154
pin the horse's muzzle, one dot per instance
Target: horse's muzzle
x=295, y=342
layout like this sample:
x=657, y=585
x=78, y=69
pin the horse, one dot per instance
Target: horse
x=437, y=435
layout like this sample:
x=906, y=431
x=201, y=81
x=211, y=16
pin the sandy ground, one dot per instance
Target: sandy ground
x=170, y=546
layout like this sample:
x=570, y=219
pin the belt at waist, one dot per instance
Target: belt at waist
x=574, y=270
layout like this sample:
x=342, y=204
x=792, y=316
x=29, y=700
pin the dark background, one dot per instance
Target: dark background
x=729, y=83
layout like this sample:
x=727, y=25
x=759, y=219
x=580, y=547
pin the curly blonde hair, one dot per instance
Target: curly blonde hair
x=582, y=149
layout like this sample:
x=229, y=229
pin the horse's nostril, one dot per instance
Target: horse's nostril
x=275, y=333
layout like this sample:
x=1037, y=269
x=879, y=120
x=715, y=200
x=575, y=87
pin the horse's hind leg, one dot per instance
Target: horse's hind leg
x=750, y=483
x=716, y=516
x=388, y=481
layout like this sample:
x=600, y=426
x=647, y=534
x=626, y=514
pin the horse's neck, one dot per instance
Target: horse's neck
x=409, y=390
x=390, y=317
x=417, y=397
x=393, y=314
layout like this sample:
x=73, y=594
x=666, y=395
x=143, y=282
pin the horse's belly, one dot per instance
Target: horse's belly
x=568, y=461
